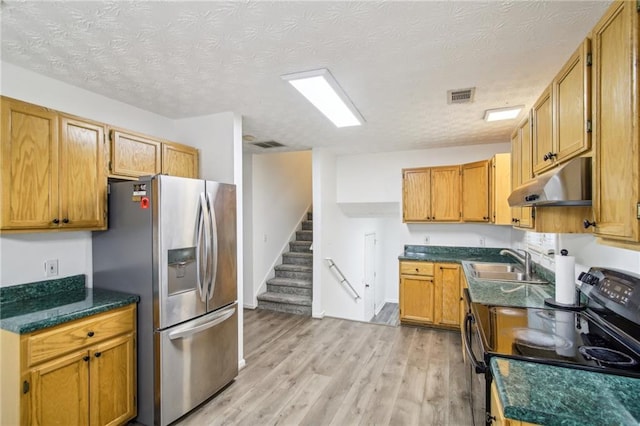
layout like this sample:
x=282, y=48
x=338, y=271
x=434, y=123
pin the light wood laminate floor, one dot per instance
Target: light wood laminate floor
x=304, y=371
x=389, y=315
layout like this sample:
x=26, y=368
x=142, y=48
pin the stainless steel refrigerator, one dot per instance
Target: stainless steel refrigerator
x=172, y=241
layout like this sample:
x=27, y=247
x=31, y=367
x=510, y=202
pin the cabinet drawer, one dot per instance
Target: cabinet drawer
x=416, y=268
x=77, y=334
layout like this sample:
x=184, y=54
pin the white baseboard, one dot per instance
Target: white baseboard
x=249, y=306
x=392, y=301
x=318, y=316
x=241, y=364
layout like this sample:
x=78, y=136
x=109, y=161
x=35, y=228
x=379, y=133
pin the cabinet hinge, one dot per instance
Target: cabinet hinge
x=588, y=126
x=25, y=387
x=111, y=135
x=638, y=210
x=638, y=5
x=110, y=166
x=590, y=58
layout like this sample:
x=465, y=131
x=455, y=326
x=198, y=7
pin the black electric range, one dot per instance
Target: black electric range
x=605, y=336
x=602, y=336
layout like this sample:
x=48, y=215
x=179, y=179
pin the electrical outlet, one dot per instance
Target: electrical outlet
x=482, y=242
x=426, y=239
x=51, y=268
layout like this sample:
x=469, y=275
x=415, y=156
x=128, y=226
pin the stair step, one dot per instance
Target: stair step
x=294, y=271
x=300, y=246
x=307, y=225
x=309, y=215
x=297, y=258
x=290, y=286
x=283, y=307
x=304, y=235
x=289, y=299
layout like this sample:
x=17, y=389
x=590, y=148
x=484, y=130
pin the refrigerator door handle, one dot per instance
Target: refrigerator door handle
x=191, y=329
x=214, y=248
x=202, y=233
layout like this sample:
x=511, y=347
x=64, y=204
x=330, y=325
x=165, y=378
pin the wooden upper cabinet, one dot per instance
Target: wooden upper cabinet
x=542, y=129
x=53, y=170
x=416, y=195
x=616, y=129
x=179, y=160
x=29, y=163
x=83, y=180
x=521, y=170
x=445, y=193
x=475, y=192
x=500, y=189
x=572, y=102
x=134, y=155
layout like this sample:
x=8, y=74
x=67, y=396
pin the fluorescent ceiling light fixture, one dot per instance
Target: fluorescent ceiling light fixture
x=324, y=92
x=502, y=113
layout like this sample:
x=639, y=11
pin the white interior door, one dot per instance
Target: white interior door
x=369, y=276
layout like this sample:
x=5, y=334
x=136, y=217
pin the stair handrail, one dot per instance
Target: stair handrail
x=343, y=279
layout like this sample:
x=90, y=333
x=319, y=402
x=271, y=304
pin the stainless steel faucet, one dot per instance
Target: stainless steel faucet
x=525, y=259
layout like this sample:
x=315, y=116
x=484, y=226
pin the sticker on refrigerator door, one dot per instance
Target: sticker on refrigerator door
x=139, y=192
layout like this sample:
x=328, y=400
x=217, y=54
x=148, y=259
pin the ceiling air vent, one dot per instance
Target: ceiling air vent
x=268, y=144
x=460, y=96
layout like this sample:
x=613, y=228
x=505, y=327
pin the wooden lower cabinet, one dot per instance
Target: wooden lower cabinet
x=497, y=412
x=77, y=373
x=430, y=293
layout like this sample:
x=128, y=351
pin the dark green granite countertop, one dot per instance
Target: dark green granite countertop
x=502, y=293
x=453, y=254
x=486, y=292
x=30, y=307
x=551, y=395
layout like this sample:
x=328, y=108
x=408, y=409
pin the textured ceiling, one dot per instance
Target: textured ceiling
x=396, y=60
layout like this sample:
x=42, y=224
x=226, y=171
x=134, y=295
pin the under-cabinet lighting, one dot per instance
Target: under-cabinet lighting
x=502, y=113
x=324, y=92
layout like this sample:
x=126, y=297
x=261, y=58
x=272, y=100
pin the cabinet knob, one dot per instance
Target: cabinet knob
x=56, y=221
x=25, y=387
x=90, y=334
x=65, y=220
x=98, y=354
x=85, y=358
x=587, y=224
x=549, y=155
x=417, y=270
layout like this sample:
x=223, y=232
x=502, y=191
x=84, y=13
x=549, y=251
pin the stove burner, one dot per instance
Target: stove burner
x=607, y=356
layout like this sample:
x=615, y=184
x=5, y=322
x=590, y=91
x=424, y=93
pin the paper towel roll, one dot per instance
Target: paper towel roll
x=565, y=279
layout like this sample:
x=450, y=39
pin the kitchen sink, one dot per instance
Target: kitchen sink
x=503, y=272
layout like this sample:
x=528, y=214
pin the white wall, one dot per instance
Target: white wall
x=281, y=195
x=588, y=252
x=22, y=256
x=375, y=181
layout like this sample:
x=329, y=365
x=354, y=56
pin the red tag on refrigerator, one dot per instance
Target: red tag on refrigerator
x=144, y=203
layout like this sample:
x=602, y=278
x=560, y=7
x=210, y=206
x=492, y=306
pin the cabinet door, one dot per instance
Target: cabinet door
x=417, y=299
x=500, y=189
x=60, y=392
x=29, y=164
x=134, y=155
x=416, y=191
x=447, y=307
x=475, y=192
x=542, y=119
x=112, y=391
x=83, y=181
x=445, y=193
x=571, y=94
x=526, y=173
x=516, y=175
x=615, y=116
x=179, y=160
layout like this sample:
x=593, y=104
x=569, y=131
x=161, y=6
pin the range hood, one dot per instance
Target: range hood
x=566, y=185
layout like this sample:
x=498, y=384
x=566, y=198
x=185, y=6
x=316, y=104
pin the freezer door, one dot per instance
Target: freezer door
x=221, y=284
x=179, y=244
x=197, y=359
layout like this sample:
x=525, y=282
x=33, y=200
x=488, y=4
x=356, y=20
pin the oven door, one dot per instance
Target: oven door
x=479, y=376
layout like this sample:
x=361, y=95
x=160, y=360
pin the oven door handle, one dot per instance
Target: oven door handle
x=479, y=367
